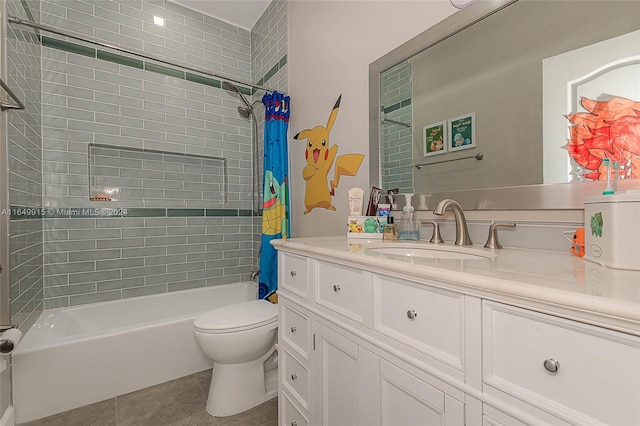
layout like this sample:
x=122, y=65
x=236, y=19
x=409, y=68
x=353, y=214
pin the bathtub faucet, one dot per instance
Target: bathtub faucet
x=254, y=275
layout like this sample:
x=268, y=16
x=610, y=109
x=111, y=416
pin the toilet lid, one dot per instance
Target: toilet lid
x=237, y=316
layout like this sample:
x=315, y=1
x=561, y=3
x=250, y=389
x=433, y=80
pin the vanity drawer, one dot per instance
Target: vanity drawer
x=295, y=329
x=289, y=414
x=343, y=290
x=427, y=318
x=584, y=371
x=295, y=377
x=294, y=274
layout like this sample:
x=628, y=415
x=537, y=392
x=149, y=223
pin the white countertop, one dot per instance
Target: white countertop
x=557, y=283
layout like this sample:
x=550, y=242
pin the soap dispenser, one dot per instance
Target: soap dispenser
x=408, y=228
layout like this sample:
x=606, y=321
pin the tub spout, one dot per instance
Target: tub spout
x=462, y=232
x=254, y=275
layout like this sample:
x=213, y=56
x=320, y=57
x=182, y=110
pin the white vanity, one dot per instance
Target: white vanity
x=409, y=336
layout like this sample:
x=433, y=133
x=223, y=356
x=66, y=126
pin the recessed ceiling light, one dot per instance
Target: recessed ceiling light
x=158, y=20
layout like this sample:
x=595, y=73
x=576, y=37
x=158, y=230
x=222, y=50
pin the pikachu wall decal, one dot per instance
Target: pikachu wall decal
x=320, y=156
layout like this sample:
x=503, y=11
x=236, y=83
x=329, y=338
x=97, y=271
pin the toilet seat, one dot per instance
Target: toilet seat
x=237, y=317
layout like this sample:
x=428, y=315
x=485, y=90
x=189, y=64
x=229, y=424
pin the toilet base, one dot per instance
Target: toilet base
x=236, y=388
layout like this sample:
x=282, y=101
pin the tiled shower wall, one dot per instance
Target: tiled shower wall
x=95, y=251
x=25, y=167
x=269, y=63
x=396, y=139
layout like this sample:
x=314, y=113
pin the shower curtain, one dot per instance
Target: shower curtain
x=275, y=207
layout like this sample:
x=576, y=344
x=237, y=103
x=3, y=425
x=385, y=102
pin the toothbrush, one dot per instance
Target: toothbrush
x=616, y=172
x=608, y=190
x=628, y=166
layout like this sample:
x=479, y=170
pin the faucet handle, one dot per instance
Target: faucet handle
x=436, y=237
x=492, y=239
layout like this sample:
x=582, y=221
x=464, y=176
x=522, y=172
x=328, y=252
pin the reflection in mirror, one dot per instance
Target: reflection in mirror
x=395, y=128
x=504, y=69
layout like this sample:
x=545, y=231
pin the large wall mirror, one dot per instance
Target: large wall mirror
x=504, y=105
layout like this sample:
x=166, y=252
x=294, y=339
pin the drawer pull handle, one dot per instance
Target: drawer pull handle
x=294, y=329
x=411, y=314
x=294, y=376
x=294, y=423
x=293, y=273
x=336, y=288
x=551, y=365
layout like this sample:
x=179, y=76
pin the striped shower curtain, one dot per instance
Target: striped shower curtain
x=275, y=207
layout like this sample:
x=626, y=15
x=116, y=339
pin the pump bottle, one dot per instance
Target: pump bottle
x=409, y=228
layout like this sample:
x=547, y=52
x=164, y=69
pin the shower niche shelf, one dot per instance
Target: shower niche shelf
x=147, y=177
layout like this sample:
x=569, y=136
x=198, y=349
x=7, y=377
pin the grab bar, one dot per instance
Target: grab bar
x=4, y=104
x=388, y=120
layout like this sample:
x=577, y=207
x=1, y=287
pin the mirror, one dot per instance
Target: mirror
x=501, y=76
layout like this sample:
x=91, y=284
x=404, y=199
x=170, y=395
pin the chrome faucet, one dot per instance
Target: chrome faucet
x=462, y=232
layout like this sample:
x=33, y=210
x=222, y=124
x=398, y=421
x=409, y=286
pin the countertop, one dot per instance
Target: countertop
x=556, y=283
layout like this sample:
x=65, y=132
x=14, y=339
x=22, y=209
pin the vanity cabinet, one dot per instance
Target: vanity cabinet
x=333, y=372
x=360, y=347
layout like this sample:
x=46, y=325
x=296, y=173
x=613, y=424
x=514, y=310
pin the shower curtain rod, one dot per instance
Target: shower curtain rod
x=57, y=31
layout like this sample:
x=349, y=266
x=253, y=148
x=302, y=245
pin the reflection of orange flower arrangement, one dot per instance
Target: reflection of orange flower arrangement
x=610, y=129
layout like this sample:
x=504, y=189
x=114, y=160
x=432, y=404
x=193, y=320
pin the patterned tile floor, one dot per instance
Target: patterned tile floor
x=180, y=402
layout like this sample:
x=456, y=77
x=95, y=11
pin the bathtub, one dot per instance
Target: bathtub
x=80, y=355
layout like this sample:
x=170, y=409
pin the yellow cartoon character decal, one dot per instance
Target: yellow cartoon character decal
x=320, y=156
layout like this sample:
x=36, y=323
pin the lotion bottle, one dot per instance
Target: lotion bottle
x=356, y=195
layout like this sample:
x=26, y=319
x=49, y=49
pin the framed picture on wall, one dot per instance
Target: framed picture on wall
x=462, y=132
x=434, y=139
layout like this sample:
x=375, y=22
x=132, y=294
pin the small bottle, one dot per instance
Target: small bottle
x=390, y=230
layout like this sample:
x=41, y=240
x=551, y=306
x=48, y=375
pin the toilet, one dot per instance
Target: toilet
x=240, y=340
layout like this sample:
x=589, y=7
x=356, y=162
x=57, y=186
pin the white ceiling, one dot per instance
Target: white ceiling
x=241, y=13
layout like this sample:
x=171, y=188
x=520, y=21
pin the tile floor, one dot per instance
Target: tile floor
x=180, y=402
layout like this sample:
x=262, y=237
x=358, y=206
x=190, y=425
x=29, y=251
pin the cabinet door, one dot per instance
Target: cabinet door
x=343, y=377
x=408, y=401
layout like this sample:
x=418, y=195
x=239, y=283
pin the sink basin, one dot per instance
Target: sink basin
x=429, y=251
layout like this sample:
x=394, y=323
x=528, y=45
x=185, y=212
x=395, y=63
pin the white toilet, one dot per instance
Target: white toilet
x=239, y=338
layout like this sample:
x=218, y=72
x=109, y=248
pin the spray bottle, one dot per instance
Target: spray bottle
x=409, y=228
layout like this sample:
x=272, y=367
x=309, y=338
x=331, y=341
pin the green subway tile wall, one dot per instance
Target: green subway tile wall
x=23, y=61
x=396, y=140
x=268, y=57
x=91, y=251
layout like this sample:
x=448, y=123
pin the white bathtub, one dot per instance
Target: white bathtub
x=80, y=355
